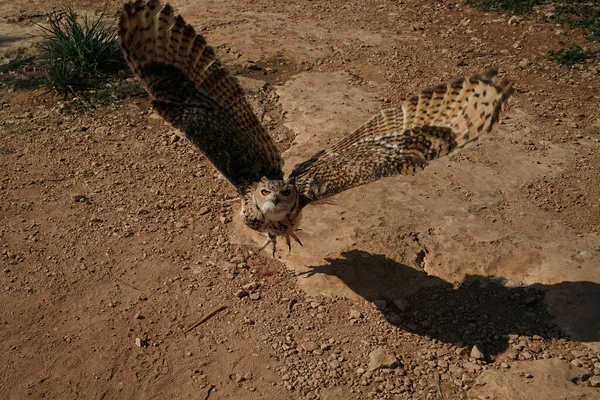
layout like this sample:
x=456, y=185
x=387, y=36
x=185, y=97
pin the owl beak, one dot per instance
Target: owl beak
x=276, y=200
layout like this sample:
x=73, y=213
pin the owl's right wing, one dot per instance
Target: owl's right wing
x=402, y=141
x=195, y=93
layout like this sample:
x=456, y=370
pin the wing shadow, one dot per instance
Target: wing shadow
x=481, y=311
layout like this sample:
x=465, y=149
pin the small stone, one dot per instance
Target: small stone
x=286, y=377
x=594, y=381
x=523, y=63
x=526, y=355
x=382, y=358
x=204, y=210
x=380, y=304
x=395, y=319
x=576, y=362
x=476, y=353
x=139, y=342
x=514, y=20
x=402, y=304
x=248, y=376
x=360, y=371
x=138, y=316
x=310, y=346
x=254, y=296
x=504, y=365
x=252, y=286
x=241, y=293
x=355, y=314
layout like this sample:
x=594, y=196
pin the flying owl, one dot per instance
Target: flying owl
x=197, y=94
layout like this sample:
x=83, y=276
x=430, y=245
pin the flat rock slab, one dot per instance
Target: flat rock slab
x=543, y=379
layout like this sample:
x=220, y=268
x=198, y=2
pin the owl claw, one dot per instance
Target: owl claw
x=270, y=239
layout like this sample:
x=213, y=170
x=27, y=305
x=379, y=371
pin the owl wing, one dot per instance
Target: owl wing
x=193, y=91
x=402, y=141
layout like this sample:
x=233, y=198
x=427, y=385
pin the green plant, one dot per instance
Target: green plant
x=508, y=6
x=574, y=55
x=583, y=14
x=78, y=53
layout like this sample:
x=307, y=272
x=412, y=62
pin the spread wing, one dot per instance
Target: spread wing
x=193, y=91
x=402, y=141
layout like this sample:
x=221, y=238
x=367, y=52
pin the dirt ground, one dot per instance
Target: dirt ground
x=477, y=278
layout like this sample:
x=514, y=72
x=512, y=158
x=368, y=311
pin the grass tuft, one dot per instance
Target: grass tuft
x=78, y=53
x=507, y=6
x=569, y=57
x=584, y=14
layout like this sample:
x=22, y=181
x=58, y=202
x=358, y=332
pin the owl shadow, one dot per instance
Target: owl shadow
x=481, y=311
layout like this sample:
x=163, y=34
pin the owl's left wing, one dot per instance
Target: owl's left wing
x=402, y=141
x=196, y=93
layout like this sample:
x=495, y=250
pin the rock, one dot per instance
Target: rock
x=254, y=296
x=523, y=63
x=577, y=362
x=138, y=316
x=241, y=293
x=526, y=355
x=252, y=286
x=550, y=379
x=594, y=381
x=402, y=304
x=514, y=20
x=204, y=211
x=380, y=304
x=355, y=314
x=382, y=358
x=310, y=346
x=476, y=353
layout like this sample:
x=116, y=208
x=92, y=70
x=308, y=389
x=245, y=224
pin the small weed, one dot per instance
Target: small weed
x=78, y=53
x=574, y=55
x=507, y=6
x=583, y=14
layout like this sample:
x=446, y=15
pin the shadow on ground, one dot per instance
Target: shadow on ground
x=482, y=310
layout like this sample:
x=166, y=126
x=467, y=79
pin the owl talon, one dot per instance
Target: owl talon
x=270, y=239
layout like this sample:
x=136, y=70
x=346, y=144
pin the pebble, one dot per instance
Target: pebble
x=526, y=355
x=382, y=358
x=310, y=346
x=204, y=211
x=355, y=314
x=254, y=296
x=380, y=304
x=241, y=293
x=138, y=316
x=594, y=381
x=402, y=304
x=252, y=286
x=576, y=362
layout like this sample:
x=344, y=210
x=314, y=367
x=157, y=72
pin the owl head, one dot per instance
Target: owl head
x=276, y=199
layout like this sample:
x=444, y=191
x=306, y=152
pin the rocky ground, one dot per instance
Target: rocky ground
x=478, y=278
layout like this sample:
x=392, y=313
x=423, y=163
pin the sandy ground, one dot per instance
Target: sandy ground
x=116, y=236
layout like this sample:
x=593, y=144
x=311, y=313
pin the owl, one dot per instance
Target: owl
x=197, y=94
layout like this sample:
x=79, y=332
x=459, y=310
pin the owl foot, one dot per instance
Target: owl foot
x=270, y=239
x=293, y=236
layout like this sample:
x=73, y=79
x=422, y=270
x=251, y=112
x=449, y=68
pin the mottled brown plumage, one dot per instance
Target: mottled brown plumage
x=194, y=92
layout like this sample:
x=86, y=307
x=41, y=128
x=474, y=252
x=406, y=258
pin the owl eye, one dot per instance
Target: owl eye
x=265, y=192
x=286, y=192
